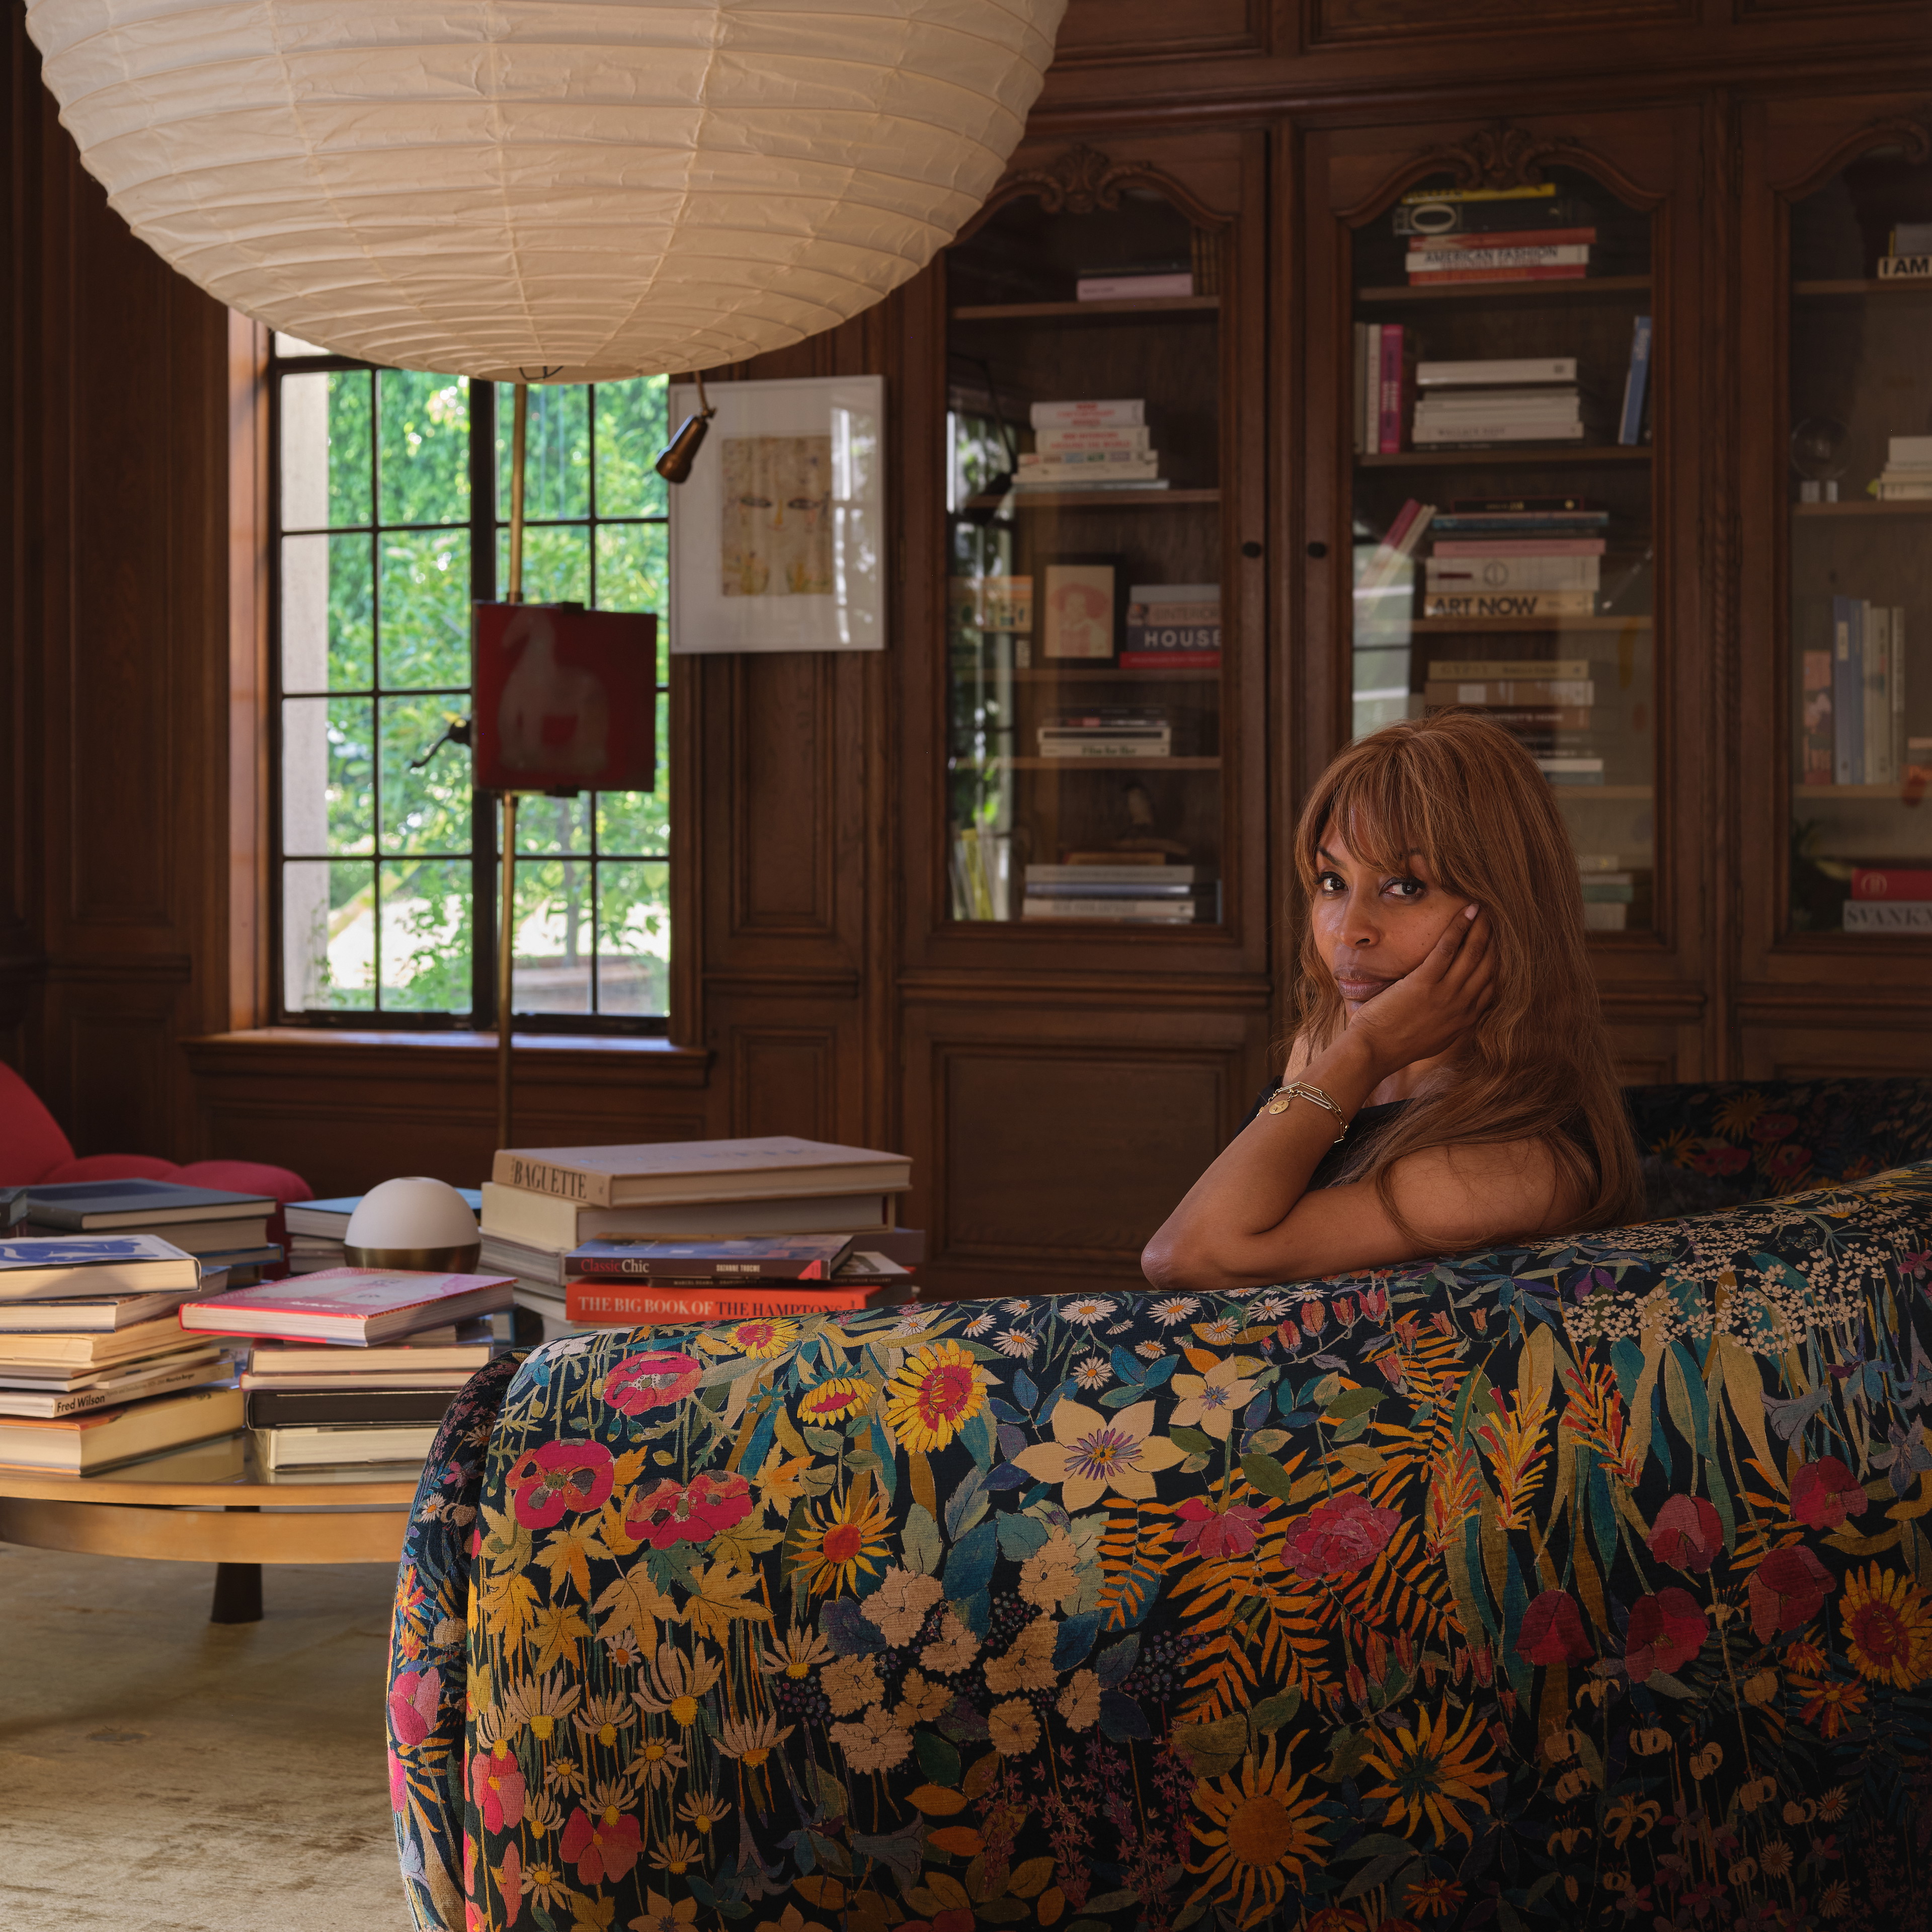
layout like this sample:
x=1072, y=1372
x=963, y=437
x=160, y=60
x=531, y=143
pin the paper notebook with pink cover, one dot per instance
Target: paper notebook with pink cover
x=355, y=1306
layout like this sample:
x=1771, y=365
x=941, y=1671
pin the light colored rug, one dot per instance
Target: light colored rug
x=164, y=1774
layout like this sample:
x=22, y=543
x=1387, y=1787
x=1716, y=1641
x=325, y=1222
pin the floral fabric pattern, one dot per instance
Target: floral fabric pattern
x=1587, y=1582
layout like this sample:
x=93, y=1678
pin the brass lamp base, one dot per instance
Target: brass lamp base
x=424, y=1261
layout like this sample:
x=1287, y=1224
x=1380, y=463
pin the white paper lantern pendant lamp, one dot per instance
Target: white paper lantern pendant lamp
x=564, y=190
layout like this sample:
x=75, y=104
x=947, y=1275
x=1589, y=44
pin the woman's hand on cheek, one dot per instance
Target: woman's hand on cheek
x=1432, y=1008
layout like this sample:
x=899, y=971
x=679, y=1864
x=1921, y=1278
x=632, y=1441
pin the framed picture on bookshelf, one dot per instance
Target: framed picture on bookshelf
x=778, y=539
x=1080, y=609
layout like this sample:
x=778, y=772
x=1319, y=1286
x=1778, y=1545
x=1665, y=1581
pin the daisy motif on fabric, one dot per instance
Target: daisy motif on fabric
x=1091, y=1372
x=1092, y=1455
x=1084, y=1310
x=1173, y=1310
x=1018, y=1343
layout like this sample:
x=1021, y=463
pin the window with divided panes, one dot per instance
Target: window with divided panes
x=391, y=507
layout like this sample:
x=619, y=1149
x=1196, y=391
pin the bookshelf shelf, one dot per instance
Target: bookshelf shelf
x=1099, y=499
x=1586, y=289
x=1918, y=286
x=1114, y=764
x=1439, y=624
x=1615, y=794
x=1117, y=674
x=1542, y=455
x=1922, y=507
x=1087, y=311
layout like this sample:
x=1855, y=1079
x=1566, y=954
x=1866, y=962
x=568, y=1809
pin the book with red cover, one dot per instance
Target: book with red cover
x=1390, y=420
x=1429, y=278
x=634, y=1302
x=1466, y=241
x=354, y=1306
x=750, y=1258
x=1891, y=882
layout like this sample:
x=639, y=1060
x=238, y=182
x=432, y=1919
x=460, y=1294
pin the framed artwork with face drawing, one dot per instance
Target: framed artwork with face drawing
x=777, y=537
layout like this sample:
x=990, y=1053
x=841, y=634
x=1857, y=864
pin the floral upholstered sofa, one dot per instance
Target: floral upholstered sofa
x=1587, y=1583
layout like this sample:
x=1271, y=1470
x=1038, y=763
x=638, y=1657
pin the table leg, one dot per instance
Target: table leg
x=238, y=1594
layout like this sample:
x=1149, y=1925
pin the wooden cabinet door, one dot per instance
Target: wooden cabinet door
x=1835, y=719
x=1591, y=511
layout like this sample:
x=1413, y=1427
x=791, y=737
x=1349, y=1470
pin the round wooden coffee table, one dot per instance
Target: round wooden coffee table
x=211, y=1503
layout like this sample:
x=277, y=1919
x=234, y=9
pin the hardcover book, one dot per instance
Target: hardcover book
x=97, y=1206
x=356, y=1306
x=80, y=1444
x=607, y=1302
x=38, y=1267
x=785, y=1257
x=673, y=1172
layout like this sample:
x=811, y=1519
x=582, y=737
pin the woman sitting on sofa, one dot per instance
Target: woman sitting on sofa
x=1449, y=1084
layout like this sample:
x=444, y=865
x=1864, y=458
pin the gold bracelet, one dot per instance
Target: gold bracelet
x=1283, y=1097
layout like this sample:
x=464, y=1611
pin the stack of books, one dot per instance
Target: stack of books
x=227, y=1230
x=1176, y=625
x=1890, y=898
x=1907, y=476
x=1541, y=702
x=1608, y=891
x=1107, y=731
x=1426, y=217
x=642, y=1284
x=1499, y=255
x=1082, y=445
x=1909, y=258
x=94, y=1368
x=1515, y=399
x=1854, y=699
x=1140, y=282
x=1384, y=379
x=332, y=1384
x=1535, y=556
x=1145, y=893
x=317, y=1229
x=542, y=1204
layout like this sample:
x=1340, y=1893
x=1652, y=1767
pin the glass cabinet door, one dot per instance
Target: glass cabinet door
x=1503, y=545
x=1859, y=446
x=1084, y=547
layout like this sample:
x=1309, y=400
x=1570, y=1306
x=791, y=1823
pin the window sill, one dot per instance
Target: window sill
x=586, y=1059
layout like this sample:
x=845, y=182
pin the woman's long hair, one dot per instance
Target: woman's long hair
x=1463, y=793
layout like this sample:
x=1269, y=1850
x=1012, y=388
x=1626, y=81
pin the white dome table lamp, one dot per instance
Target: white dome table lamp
x=415, y=1223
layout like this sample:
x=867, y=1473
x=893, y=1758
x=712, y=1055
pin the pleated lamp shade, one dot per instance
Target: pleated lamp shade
x=567, y=190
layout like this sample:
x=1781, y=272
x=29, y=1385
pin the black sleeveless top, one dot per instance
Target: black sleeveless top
x=1368, y=1125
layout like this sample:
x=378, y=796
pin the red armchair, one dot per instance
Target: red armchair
x=33, y=1148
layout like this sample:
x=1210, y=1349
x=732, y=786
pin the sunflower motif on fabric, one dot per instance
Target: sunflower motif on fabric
x=848, y=1541
x=939, y=1390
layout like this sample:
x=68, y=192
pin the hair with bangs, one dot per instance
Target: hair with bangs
x=1465, y=794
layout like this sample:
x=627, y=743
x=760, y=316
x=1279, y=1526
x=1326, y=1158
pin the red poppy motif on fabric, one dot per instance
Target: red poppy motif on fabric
x=1787, y=1163
x=1687, y=1534
x=1720, y=1160
x=1552, y=1632
x=413, y=1699
x=1204, y=1531
x=1788, y=1588
x=496, y=1783
x=1666, y=1632
x=1338, y=1536
x=1824, y=1492
x=679, y=1513
x=1773, y=1126
x=555, y=1476
x=639, y=1382
x=603, y=1851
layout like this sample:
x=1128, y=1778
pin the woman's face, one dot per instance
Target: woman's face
x=1371, y=925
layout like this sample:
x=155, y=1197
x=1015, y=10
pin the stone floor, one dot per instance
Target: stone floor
x=163, y=1773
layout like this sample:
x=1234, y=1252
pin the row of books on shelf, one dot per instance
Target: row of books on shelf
x=1853, y=709
x=1543, y=560
x=1137, y=283
x=1103, y=444
x=1142, y=890
x=1479, y=403
x=1907, y=476
x=1890, y=898
x=1908, y=257
x=1608, y=889
x=1494, y=235
x=1164, y=626
x=1541, y=702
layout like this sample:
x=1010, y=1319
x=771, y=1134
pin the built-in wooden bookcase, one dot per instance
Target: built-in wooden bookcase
x=1837, y=604
x=1580, y=509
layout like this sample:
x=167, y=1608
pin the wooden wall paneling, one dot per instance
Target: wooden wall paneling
x=1119, y=33
x=1352, y=170
x=347, y=1110
x=1799, y=1050
x=1050, y=1141
x=1790, y=144
x=251, y=872
x=1388, y=25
